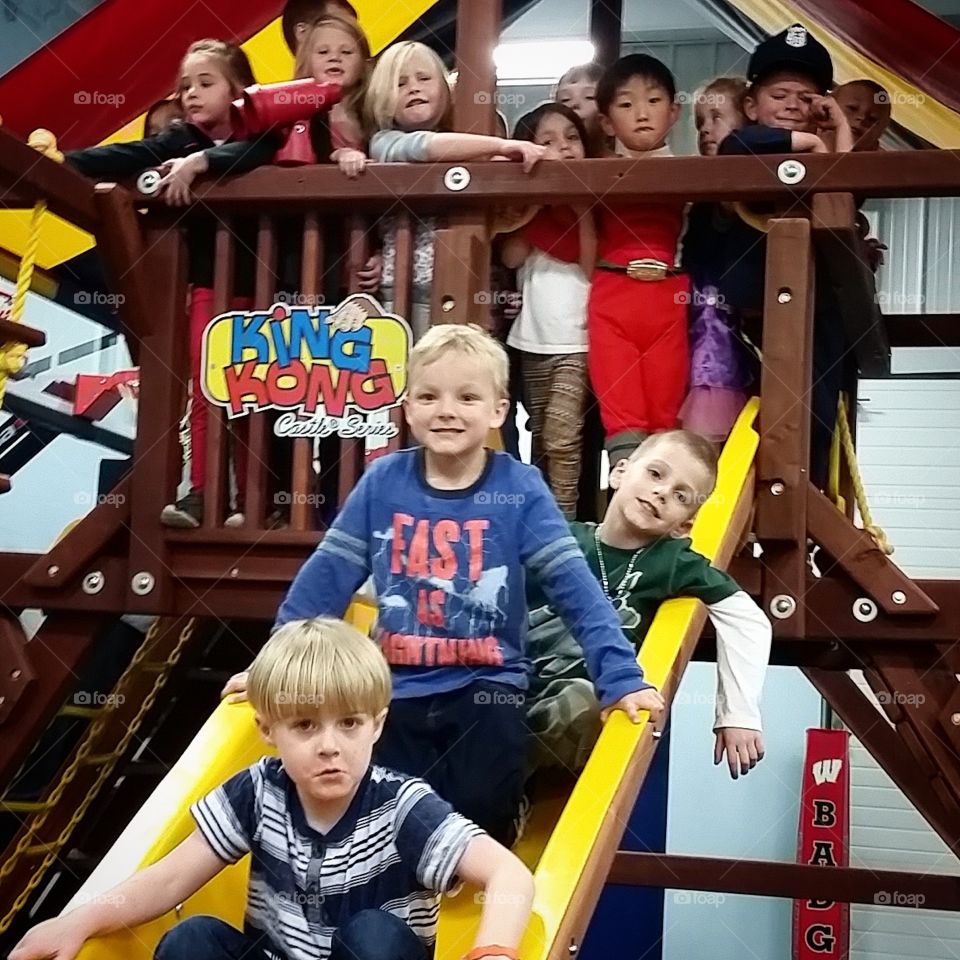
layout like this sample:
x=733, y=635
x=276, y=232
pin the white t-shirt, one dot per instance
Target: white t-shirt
x=553, y=316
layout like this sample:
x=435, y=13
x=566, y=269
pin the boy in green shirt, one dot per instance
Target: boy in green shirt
x=642, y=556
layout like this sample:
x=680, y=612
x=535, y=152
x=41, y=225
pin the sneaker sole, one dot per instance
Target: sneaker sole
x=170, y=516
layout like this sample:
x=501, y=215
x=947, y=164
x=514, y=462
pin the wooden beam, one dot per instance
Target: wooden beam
x=11, y=332
x=857, y=553
x=81, y=547
x=854, y=287
x=784, y=454
x=931, y=173
x=30, y=176
x=606, y=28
x=874, y=731
x=923, y=329
x=794, y=881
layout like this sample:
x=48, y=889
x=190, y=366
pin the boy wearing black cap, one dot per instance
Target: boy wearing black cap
x=790, y=75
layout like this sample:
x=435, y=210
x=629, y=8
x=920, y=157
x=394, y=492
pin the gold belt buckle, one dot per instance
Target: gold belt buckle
x=646, y=269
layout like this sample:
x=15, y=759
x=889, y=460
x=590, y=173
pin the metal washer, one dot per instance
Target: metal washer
x=456, y=179
x=791, y=172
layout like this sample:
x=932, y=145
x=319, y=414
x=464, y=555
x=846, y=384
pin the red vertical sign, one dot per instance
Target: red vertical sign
x=821, y=928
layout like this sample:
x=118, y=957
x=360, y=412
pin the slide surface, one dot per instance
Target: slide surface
x=560, y=842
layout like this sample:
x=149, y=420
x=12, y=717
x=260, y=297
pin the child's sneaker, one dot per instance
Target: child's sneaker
x=186, y=513
x=235, y=520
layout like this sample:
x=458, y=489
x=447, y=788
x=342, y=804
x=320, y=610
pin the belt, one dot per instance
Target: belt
x=646, y=269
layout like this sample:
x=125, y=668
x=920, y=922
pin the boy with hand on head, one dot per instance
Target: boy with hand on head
x=449, y=532
x=642, y=556
x=637, y=311
x=867, y=107
x=347, y=858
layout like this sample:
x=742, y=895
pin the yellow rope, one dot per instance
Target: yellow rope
x=843, y=429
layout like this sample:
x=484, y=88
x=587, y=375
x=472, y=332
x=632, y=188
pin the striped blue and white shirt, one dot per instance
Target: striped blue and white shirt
x=396, y=848
x=449, y=568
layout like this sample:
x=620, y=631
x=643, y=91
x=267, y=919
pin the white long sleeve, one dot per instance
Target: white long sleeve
x=743, y=651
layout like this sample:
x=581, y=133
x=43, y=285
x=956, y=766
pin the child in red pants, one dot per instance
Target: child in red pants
x=637, y=312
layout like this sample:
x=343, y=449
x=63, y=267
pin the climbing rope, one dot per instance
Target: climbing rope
x=13, y=354
x=84, y=756
x=843, y=440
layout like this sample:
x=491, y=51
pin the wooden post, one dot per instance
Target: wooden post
x=461, y=273
x=606, y=27
x=784, y=455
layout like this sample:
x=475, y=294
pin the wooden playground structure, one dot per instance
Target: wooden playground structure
x=863, y=613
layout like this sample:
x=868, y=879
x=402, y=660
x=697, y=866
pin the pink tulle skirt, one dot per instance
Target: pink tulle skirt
x=712, y=411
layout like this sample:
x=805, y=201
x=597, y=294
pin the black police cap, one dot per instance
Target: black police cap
x=794, y=48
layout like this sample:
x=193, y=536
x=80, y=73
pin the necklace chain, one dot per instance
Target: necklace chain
x=621, y=590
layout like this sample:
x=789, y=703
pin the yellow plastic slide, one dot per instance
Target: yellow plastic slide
x=271, y=62
x=562, y=838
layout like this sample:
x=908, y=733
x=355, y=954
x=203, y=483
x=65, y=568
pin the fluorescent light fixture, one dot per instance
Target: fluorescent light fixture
x=545, y=60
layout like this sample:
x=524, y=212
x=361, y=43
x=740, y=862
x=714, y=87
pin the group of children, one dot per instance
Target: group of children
x=506, y=631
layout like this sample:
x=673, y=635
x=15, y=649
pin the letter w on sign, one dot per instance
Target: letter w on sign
x=826, y=771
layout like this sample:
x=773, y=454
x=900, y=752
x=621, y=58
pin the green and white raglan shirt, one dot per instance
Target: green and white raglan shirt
x=665, y=569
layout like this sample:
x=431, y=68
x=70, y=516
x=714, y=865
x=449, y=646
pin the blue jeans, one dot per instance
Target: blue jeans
x=368, y=935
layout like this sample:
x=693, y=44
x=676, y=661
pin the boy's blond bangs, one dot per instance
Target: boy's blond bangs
x=380, y=104
x=467, y=339
x=319, y=666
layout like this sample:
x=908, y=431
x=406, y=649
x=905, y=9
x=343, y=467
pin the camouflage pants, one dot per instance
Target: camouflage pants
x=563, y=713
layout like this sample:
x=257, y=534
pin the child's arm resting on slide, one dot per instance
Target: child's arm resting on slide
x=743, y=650
x=552, y=555
x=325, y=584
x=146, y=895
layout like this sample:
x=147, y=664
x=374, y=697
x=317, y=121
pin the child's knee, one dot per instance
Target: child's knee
x=199, y=938
x=376, y=935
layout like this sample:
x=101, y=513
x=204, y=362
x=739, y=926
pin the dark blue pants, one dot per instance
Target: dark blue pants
x=470, y=745
x=368, y=935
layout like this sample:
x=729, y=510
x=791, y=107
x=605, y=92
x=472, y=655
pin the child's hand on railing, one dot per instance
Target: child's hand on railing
x=59, y=938
x=631, y=704
x=177, y=176
x=368, y=276
x=236, y=689
x=743, y=748
x=351, y=162
x=524, y=151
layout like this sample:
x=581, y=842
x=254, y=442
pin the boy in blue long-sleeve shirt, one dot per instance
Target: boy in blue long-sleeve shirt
x=448, y=531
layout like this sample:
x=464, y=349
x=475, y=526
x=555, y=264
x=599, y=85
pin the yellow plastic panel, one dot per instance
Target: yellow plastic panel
x=271, y=62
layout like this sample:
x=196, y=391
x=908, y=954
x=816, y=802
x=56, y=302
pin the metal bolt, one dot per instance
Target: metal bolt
x=448, y=304
x=784, y=296
x=955, y=719
x=235, y=572
x=898, y=597
x=864, y=610
x=791, y=171
x=15, y=674
x=142, y=583
x=783, y=606
x=93, y=582
x=148, y=183
x=573, y=949
x=457, y=179
x=53, y=571
x=777, y=488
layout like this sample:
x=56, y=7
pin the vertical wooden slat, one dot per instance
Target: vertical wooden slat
x=257, y=459
x=301, y=481
x=784, y=454
x=164, y=369
x=215, y=481
x=403, y=298
x=606, y=26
